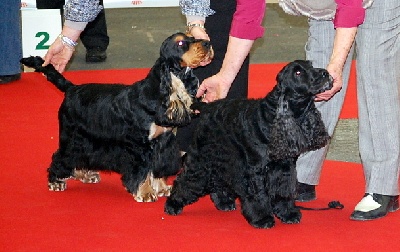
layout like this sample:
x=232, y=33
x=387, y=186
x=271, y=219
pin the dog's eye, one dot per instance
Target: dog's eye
x=298, y=73
x=181, y=43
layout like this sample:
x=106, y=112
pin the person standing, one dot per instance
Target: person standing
x=377, y=47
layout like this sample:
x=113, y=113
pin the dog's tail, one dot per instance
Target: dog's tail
x=49, y=71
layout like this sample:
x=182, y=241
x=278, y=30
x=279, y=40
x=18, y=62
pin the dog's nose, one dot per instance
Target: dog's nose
x=206, y=43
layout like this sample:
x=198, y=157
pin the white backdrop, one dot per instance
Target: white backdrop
x=31, y=4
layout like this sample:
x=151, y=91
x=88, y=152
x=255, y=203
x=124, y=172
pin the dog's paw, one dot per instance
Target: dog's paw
x=172, y=208
x=226, y=207
x=165, y=192
x=87, y=176
x=146, y=197
x=293, y=217
x=57, y=186
x=145, y=192
x=266, y=222
x=160, y=186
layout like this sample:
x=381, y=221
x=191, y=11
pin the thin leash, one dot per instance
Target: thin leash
x=331, y=205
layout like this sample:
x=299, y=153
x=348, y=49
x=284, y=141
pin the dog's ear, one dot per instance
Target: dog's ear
x=287, y=139
x=314, y=130
x=174, y=105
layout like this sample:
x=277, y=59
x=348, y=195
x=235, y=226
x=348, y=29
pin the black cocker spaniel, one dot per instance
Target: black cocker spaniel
x=128, y=129
x=247, y=149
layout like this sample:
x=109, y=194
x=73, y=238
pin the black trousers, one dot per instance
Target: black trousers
x=95, y=34
x=218, y=27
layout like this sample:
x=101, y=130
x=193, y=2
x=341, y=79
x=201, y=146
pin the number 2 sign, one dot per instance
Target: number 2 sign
x=39, y=29
x=43, y=42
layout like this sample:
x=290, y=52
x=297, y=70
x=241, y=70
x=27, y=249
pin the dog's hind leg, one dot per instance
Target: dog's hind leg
x=286, y=211
x=58, y=173
x=189, y=186
x=86, y=176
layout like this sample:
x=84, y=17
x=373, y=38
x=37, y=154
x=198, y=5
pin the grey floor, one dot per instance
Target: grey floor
x=136, y=35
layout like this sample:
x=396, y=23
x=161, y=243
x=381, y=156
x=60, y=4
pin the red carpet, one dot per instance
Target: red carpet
x=104, y=217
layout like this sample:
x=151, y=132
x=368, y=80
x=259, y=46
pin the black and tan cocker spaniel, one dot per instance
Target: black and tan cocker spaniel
x=128, y=129
x=247, y=149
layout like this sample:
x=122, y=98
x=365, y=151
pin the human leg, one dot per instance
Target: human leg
x=318, y=51
x=95, y=38
x=10, y=41
x=378, y=68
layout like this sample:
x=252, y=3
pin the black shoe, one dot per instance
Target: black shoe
x=305, y=192
x=9, y=78
x=374, y=206
x=95, y=55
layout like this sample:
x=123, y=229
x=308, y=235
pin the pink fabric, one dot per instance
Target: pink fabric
x=246, y=23
x=349, y=13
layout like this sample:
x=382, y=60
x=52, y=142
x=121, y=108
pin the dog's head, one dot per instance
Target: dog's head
x=184, y=51
x=300, y=80
x=298, y=126
x=179, y=54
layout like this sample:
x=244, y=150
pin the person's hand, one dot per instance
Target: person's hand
x=200, y=33
x=336, y=73
x=213, y=88
x=58, y=55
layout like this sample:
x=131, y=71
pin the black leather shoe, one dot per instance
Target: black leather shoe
x=95, y=55
x=305, y=192
x=374, y=206
x=9, y=78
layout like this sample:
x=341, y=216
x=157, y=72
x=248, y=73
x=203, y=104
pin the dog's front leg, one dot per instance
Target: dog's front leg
x=160, y=186
x=284, y=199
x=256, y=206
x=188, y=187
x=145, y=192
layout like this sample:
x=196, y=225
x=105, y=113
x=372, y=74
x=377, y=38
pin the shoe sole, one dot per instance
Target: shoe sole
x=306, y=197
x=95, y=60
